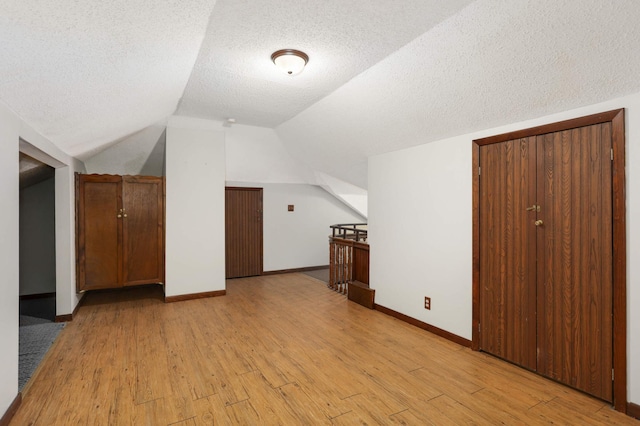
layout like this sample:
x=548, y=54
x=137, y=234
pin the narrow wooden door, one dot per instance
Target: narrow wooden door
x=508, y=238
x=99, y=231
x=574, y=245
x=546, y=260
x=243, y=232
x=143, y=230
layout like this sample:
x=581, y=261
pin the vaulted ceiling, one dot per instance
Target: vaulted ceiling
x=383, y=75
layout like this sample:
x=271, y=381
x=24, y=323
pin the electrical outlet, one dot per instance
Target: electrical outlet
x=427, y=303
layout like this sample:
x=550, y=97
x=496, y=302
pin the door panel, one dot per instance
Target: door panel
x=575, y=258
x=243, y=232
x=99, y=231
x=143, y=252
x=580, y=247
x=507, y=244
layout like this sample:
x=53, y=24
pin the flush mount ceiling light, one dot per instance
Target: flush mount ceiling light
x=290, y=61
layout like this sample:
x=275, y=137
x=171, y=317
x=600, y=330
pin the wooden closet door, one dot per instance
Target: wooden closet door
x=507, y=244
x=143, y=230
x=575, y=289
x=546, y=274
x=243, y=232
x=99, y=230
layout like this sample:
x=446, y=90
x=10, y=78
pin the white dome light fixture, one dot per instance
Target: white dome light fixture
x=290, y=61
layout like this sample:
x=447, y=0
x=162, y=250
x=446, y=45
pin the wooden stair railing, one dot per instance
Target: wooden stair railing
x=340, y=264
x=349, y=263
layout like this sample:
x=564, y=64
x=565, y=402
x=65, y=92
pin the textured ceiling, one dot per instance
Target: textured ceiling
x=234, y=76
x=383, y=75
x=494, y=63
x=87, y=72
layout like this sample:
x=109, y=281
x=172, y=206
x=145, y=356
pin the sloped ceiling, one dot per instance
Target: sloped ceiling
x=234, y=76
x=383, y=75
x=87, y=72
x=494, y=63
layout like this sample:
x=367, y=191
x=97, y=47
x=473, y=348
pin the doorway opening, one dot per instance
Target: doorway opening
x=37, y=266
x=37, y=239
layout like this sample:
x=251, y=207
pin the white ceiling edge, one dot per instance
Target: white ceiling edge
x=492, y=64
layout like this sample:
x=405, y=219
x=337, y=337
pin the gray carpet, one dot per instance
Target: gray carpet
x=36, y=336
x=319, y=274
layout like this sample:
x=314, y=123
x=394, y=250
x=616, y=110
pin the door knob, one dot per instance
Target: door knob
x=538, y=223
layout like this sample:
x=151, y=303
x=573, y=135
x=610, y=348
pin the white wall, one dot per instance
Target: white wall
x=298, y=239
x=66, y=297
x=38, y=238
x=420, y=233
x=40, y=148
x=420, y=228
x=195, y=173
x=139, y=154
x=256, y=154
x=17, y=136
x=9, y=133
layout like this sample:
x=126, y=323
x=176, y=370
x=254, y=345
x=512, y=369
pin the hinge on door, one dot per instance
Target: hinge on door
x=478, y=327
x=479, y=169
x=611, y=154
x=612, y=375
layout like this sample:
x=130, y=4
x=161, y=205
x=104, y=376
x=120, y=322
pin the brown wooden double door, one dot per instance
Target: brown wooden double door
x=243, y=232
x=120, y=231
x=545, y=235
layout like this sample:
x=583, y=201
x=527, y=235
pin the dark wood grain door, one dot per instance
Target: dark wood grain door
x=546, y=255
x=574, y=244
x=143, y=230
x=243, y=232
x=508, y=273
x=99, y=231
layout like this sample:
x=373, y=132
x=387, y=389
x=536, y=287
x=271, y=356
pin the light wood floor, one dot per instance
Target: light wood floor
x=279, y=349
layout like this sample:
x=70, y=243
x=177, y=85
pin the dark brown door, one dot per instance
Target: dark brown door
x=243, y=232
x=546, y=243
x=575, y=258
x=99, y=232
x=508, y=247
x=143, y=228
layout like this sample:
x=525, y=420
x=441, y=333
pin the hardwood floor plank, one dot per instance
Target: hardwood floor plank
x=370, y=405
x=304, y=407
x=278, y=349
x=211, y=411
x=563, y=414
x=354, y=418
x=319, y=385
x=418, y=417
x=447, y=409
x=168, y=410
x=188, y=422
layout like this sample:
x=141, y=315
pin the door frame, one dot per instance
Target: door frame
x=616, y=118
